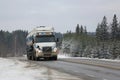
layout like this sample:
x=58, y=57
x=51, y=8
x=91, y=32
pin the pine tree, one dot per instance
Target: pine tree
x=114, y=28
x=115, y=37
x=98, y=32
x=102, y=35
x=104, y=29
x=81, y=30
x=119, y=31
x=85, y=30
x=77, y=29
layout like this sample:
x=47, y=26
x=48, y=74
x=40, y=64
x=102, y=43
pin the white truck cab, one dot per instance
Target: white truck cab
x=42, y=43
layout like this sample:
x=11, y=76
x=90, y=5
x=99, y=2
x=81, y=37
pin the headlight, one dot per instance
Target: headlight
x=37, y=47
x=38, y=50
x=55, y=50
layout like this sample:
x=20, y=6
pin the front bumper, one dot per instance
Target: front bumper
x=46, y=54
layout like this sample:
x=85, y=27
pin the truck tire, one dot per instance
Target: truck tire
x=32, y=57
x=29, y=57
x=36, y=58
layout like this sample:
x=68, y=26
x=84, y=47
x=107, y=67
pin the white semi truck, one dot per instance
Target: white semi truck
x=42, y=43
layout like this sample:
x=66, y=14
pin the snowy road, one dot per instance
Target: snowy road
x=61, y=69
x=91, y=71
x=86, y=72
x=13, y=69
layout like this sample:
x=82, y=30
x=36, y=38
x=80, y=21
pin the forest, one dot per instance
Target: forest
x=12, y=44
x=104, y=43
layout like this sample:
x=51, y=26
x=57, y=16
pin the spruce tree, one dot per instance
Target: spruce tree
x=85, y=30
x=98, y=32
x=104, y=29
x=77, y=29
x=115, y=37
x=81, y=30
x=102, y=35
x=114, y=28
x=119, y=31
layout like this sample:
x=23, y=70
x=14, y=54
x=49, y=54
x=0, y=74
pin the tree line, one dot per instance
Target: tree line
x=104, y=43
x=12, y=43
x=106, y=32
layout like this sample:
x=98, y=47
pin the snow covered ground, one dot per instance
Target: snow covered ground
x=63, y=56
x=11, y=69
x=68, y=56
x=106, y=63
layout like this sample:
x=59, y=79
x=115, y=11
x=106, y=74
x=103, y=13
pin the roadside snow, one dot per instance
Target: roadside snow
x=11, y=69
x=63, y=56
x=110, y=60
x=86, y=58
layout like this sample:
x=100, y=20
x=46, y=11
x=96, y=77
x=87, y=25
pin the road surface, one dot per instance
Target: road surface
x=83, y=71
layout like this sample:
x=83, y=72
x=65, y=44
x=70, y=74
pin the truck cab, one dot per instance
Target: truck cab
x=42, y=43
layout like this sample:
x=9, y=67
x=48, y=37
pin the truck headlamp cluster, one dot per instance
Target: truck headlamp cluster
x=38, y=51
x=55, y=50
x=38, y=48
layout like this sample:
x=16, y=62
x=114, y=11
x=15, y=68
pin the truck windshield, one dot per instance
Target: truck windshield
x=45, y=39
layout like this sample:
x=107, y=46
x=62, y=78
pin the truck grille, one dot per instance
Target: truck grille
x=47, y=49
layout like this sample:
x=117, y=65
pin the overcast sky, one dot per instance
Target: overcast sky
x=63, y=15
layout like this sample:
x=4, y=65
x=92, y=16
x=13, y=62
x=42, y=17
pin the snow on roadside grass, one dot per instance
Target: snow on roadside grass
x=64, y=56
x=11, y=69
x=86, y=58
x=111, y=60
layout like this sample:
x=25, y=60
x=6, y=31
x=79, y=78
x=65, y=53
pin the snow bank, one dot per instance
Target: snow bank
x=64, y=56
x=111, y=60
x=15, y=70
x=61, y=55
x=11, y=69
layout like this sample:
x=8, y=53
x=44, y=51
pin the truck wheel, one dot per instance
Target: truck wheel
x=29, y=57
x=32, y=57
x=36, y=58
